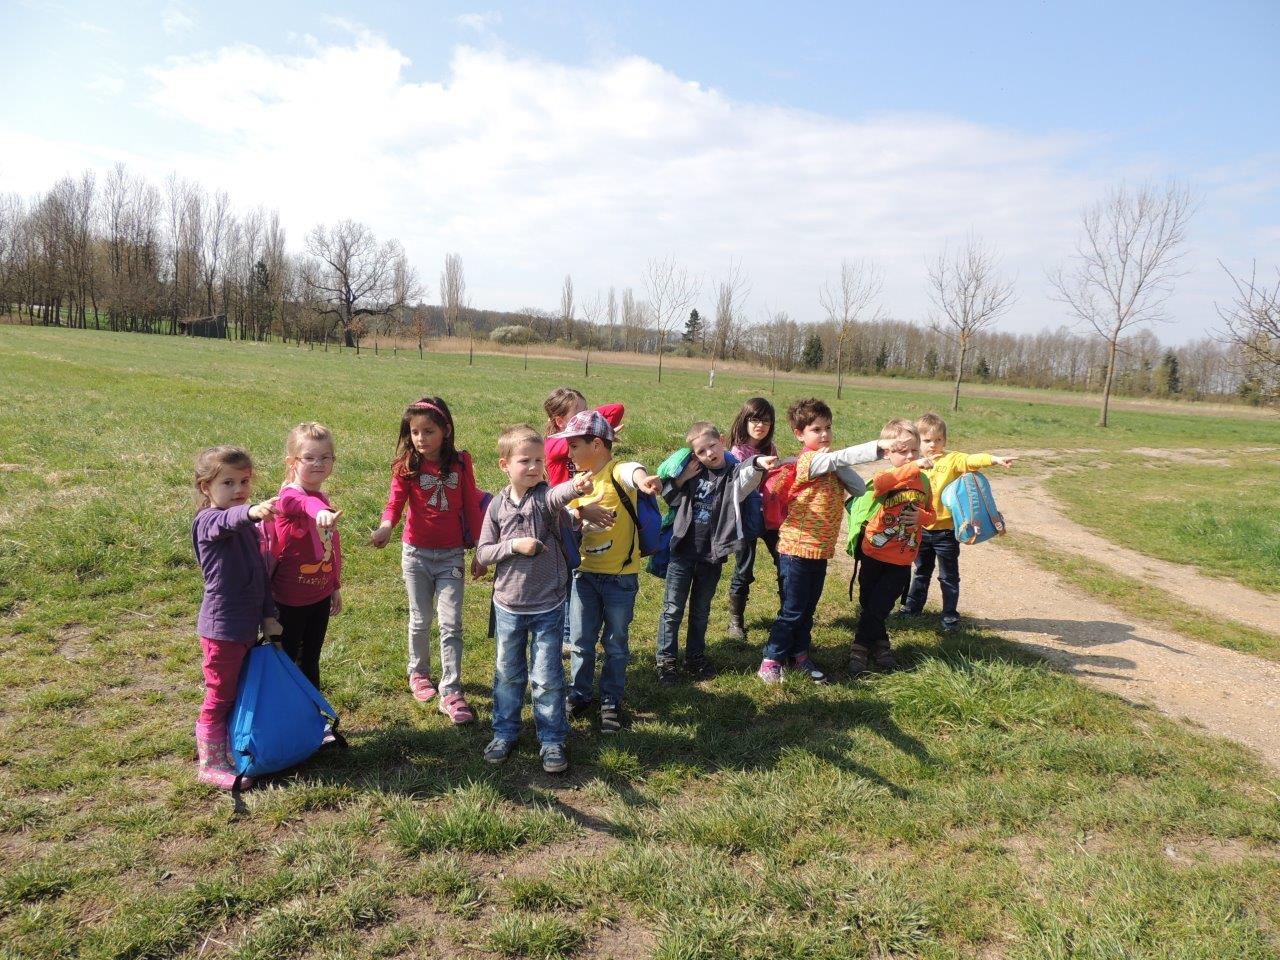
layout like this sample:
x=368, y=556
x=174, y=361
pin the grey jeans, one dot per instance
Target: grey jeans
x=434, y=580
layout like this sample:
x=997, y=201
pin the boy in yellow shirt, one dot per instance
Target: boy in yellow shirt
x=605, y=583
x=938, y=540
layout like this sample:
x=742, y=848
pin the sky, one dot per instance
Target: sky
x=543, y=139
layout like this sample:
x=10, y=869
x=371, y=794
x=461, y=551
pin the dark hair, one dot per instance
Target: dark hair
x=803, y=412
x=757, y=408
x=559, y=403
x=408, y=462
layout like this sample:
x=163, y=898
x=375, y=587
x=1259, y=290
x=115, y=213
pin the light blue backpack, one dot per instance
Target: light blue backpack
x=973, y=509
x=279, y=718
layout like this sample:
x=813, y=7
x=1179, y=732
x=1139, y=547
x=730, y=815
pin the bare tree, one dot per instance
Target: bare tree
x=969, y=295
x=1252, y=326
x=846, y=303
x=566, y=309
x=611, y=311
x=357, y=276
x=634, y=320
x=672, y=291
x=453, y=301
x=593, y=311
x=731, y=292
x=1124, y=266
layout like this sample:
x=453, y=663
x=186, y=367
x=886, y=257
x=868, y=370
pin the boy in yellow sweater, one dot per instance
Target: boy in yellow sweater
x=938, y=542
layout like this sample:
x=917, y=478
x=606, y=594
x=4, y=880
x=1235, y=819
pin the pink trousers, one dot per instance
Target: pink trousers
x=222, y=662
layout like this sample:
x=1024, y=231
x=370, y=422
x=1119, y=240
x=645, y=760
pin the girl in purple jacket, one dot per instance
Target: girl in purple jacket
x=236, y=604
x=750, y=436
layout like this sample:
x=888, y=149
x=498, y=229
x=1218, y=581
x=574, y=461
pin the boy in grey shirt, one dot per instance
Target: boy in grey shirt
x=520, y=538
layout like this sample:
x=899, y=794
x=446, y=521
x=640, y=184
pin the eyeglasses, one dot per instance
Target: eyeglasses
x=318, y=461
x=759, y=420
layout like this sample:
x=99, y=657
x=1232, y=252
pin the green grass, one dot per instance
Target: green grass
x=1140, y=599
x=976, y=804
x=1221, y=518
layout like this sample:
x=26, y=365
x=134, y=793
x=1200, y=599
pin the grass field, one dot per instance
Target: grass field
x=976, y=804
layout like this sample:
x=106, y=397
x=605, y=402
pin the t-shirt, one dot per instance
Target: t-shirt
x=887, y=537
x=705, y=485
x=308, y=559
x=605, y=551
x=437, y=505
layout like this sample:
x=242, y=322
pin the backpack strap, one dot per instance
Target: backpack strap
x=554, y=526
x=631, y=512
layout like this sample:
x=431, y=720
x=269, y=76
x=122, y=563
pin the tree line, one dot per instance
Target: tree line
x=120, y=253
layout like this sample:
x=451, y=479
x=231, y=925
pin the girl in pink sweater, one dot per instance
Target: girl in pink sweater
x=307, y=580
x=437, y=482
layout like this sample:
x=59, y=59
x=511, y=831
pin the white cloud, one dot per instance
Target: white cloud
x=177, y=19
x=532, y=169
x=105, y=85
x=482, y=23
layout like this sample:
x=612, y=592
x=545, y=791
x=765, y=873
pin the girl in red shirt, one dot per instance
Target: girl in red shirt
x=437, y=482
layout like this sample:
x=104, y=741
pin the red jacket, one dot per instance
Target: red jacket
x=438, y=507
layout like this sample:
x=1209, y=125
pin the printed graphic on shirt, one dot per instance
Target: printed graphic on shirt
x=435, y=487
x=894, y=528
x=702, y=497
x=599, y=548
x=326, y=562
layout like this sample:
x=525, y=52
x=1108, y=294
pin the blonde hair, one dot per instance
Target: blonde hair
x=931, y=421
x=701, y=429
x=512, y=438
x=211, y=462
x=901, y=434
x=559, y=403
x=293, y=443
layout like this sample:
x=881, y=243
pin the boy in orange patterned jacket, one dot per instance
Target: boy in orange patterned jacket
x=890, y=544
x=807, y=538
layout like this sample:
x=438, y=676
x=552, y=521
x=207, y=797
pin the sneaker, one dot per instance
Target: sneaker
x=612, y=719
x=456, y=708
x=905, y=611
x=554, y=758
x=950, y=623
x=699, y=668
x=421, y=687
x=884, y=660
x=498, y=750
x=859, y=662
x=770, y=671
x=578, y=708
x=668, y=676
x=807, y=668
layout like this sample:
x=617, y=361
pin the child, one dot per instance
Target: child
x=236, y=604
x=807, y=539
x=939, y=538
x=437, y=482
x=708, y=528
x=889, y=544
x=604, y=586
x=751, y=435
x=307, y=580
x=520, y=538
x=560, y=405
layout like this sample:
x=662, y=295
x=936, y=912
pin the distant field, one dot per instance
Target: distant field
x=976, y=804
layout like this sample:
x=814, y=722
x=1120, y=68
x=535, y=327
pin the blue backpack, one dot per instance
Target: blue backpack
x=279, y=718
x=973, y=509
x=646, y=516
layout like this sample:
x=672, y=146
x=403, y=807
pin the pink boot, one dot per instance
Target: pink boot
x=213, y=767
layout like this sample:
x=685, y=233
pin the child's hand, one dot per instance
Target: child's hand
x=691, y=469
x=262, y=511
x=527, y=546
x=271, y=627
x=335, y=603
x=600, y=517
x=583, y=483
x=478, y=569
x=651, y=484
x=910, y=516
x=766, y=463
x=1005, y=462
x=924, y=463
x=378, y=539
x=327, y=519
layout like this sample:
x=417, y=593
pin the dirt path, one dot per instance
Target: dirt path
x=1029, y=507
x=1230, y=694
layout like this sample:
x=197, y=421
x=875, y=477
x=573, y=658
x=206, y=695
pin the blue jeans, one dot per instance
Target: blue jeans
x=602, y=603
x=691, y=581
x=514, y=632
x=802, y=583
x=942, y=545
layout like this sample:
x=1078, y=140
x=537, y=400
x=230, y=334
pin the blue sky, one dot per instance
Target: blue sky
x=541, y=139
